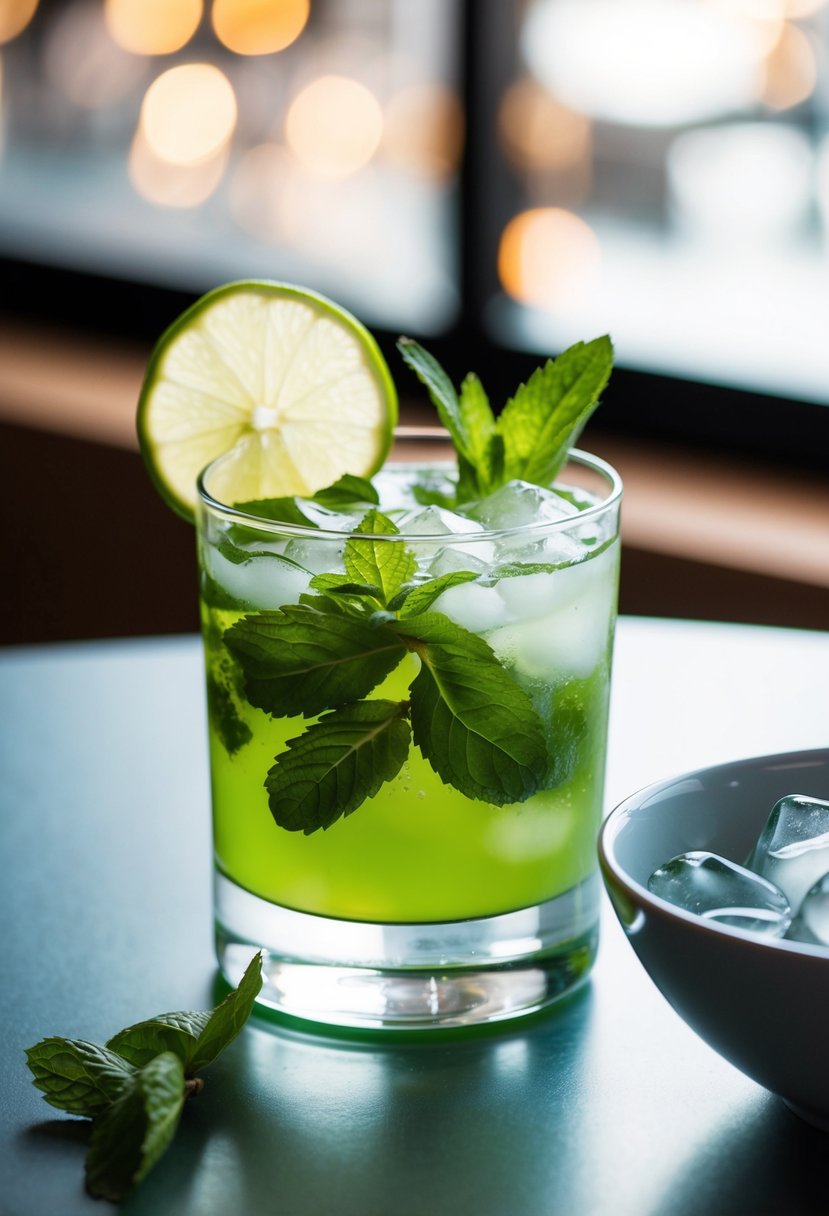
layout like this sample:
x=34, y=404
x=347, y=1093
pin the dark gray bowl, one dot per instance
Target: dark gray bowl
x=763, y=1005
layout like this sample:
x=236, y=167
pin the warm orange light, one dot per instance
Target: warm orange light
x=15, y=15
x=540, y=134
x=173, y=185
x=152, y=27
x=334, y=126
x=791, y=70
x=188, y=113
x=549, y=258
x=424, y=130
x=259, y=27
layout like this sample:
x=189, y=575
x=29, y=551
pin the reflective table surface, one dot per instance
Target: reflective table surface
x=608, y=1104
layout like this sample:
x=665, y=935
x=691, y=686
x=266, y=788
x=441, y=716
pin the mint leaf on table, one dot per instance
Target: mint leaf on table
x=304, y=658
x=474, y=724
x=131, y=1135
x=134, y=1088
x=382, y=563
x=546, y=415
x=77, y=1077
x=341, y=760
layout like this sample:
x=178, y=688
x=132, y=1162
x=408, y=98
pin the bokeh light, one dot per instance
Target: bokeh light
x=549, y=258
x=334, y=126
x=538, y=133
x=15, y=15
x=424, y=130
x=741, y=185
x=189, y=113
x=169, y=185
x=152, y=27
x=259, y=27
x=83, y=63
x=648, y=63
x=791, y=70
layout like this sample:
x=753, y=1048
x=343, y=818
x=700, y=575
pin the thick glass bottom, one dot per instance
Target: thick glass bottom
x=409, y=976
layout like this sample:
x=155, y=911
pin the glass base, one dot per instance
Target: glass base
x=409, y=976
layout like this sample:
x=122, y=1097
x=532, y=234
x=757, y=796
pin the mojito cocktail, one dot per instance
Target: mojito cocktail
x=407, y=661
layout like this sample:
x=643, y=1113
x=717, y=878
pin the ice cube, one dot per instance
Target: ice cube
x=812, y=921
x=720, y=890
x=435, y=521
x=793, y=848
x=519, y=503
x=264, y=581
x=477, y=608
x=560, y=623
x=317, y=556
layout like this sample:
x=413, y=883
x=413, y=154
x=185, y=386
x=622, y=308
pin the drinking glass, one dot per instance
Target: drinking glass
x=424, y=907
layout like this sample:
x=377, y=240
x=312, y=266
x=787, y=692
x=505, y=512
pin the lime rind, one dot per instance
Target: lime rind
x=284, y=384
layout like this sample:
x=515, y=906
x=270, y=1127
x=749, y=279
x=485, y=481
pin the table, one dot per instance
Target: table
x=608, y=1105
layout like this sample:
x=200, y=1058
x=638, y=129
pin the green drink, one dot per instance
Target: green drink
x=407, y=663
x=420, y=852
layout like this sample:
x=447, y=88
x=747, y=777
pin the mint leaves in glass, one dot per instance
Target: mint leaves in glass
x=407, y=695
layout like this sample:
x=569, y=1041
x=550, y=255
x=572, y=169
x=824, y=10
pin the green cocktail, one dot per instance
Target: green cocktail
x=407, y=663
x=420, y=852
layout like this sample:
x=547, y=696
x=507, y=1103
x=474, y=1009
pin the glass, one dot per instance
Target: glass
x=424, y=907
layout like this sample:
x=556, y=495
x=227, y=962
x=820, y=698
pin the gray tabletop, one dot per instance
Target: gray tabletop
x=607, y=1105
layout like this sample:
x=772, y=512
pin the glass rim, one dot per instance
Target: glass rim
x=574, y=455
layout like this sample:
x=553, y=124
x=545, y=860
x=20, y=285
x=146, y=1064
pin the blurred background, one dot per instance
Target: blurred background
x=497, y=178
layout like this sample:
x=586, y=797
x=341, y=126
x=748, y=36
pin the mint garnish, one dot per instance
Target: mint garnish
x=380, y=563
x=531, y=437
x=341, y=760
x=135, y=1087
x=305, y=658
x=473, y=723
x=471, y=719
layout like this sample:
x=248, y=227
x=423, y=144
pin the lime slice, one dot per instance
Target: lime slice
x=291, y=389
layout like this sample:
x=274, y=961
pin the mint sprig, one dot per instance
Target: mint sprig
x=537, y=426
x=134, y=1088
x=473, y=723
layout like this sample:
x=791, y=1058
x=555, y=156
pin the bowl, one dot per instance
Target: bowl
x=761, y=1003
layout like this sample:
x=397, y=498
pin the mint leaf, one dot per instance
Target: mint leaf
x=479, y=426
x=302, y=658
x=472, y=722
x=412, y=600
x=142, y=1042
x=227, y=1019
x=278, y=510
x=130, y=1137
x=347, y=491
x=233, y=731
x=77, y=1077
x=441, y=390
x=341, y=584
x=546, y=415
x=196, y=1037
x=383, y=563
x=337, y=763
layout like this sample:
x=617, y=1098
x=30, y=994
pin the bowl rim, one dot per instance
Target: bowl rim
x=641, y=897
